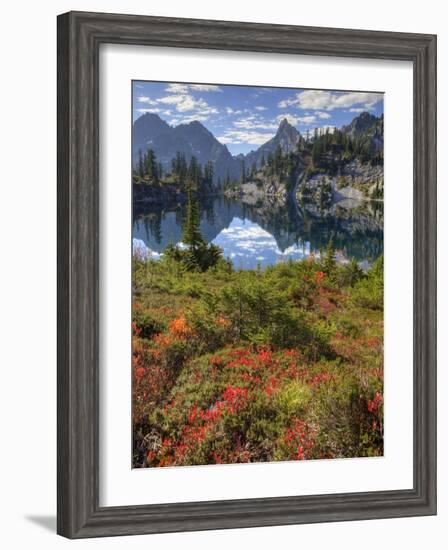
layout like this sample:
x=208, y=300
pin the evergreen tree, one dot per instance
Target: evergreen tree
x=208, y=173
x=291, y=166
x=153, y=224
x=278, y=161
x=151, y=166
x=192, y=236
x=197, y=255
x=329, y=259
x=353, y=273
x=227, y=181
x=195, y=171
x=253, y=171
x=243, y=172
x=141, y=165
x=317, y=152
x=179, y=168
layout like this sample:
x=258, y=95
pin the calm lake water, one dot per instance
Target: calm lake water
x=269, y=231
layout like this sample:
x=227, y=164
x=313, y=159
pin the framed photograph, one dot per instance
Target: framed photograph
x=246, y=274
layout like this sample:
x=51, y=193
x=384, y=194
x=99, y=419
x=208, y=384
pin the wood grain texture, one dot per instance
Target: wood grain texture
x=79, y=37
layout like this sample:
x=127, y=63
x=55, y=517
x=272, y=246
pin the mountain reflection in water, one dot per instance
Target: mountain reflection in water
x=267, y=232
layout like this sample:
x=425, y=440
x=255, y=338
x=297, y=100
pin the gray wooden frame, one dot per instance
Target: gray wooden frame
x=79, y=37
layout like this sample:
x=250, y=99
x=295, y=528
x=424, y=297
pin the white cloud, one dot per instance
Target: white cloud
x=292, y=119
x=260, y=108
x=146, y=99
x=248, y=244
x=181, y=99
x=188, y=118
x=244, y=136
x=324, y=100
x=356, y=110
x=144, y=110
x=156, y=110
x=185, y=88
x=248, y=231
x=306, y=120
x=323, y=129
x=231, y=111
x=197, y=109
x=182, y=102
x=286, y=103
x=311, y=119
x=177, y=88
x=205, y=88
x=254, y=123
x=297, y=120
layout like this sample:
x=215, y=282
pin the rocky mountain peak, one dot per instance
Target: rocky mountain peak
x=283, y=124
x=361, y=123
x=151, y=121
x=286, y=137
x=286, y=128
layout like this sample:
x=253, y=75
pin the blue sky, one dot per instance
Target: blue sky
x=245, y=117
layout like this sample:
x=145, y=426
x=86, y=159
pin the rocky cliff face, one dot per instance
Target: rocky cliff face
x=356, y=181
x=368, y=128
x=263, y=187
x=356, y=173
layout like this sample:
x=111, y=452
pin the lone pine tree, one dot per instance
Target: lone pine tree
x=192, y=236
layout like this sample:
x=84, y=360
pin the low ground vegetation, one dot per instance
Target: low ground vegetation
x=257, y=365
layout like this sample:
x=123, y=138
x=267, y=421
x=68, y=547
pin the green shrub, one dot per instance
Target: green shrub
x=348, y=327
x=344, y=418
x=211, y=331
x=350, y=274
x=369, y=292
x=261, y=313
x=292, y=399
x=148, y=323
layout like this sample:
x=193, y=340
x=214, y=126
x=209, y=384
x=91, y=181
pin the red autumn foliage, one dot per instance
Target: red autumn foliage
x=320, y=275
x=298, y=440
x=374, y=404
x=180, y=328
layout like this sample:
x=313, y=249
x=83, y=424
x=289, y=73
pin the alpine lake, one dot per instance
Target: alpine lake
x=259, y=232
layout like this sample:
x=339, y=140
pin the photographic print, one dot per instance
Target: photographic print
x=257, y=274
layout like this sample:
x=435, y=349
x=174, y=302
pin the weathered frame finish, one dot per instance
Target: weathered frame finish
x=79, y=37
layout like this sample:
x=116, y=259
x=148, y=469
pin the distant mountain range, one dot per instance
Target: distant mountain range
x=151, y=132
